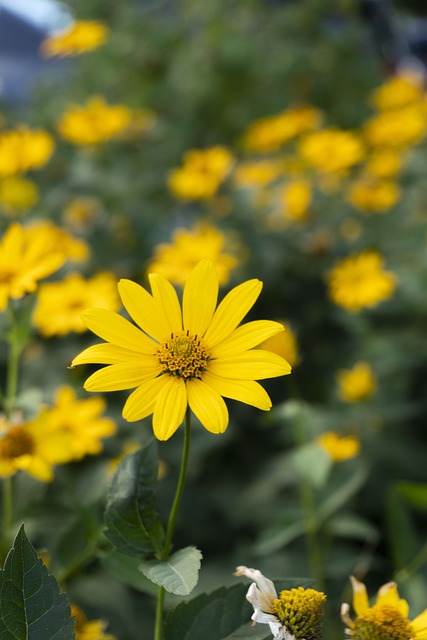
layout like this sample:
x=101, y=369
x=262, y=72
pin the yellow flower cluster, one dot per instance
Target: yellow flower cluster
x=17, y=195
x=254, y=175
x=356, y=384
x=201, y=174
x=332, y=150
x=295, y=200
x=373, y=195
x=81, y=36
x=94, y=123
x=339, y=447
x=23, y=149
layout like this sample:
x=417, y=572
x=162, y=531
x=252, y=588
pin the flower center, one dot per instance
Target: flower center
x=16, y=443
x=183, y=355
x=300, y=611
x=382, y=622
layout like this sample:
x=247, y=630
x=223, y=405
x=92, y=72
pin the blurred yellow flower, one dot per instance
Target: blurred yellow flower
x=175, y=261
x=387, y=619
x=22, y=149
x=81, y=36
x=360, y=281
x=82, y=213
x=398, y=128
x=339, y=447
x=331, y=150
x=350, y=229
x=202, y=172
x=17, y=195
x=270, y=133
x=58, y=239
x=83, y=420
x=285, y=344
x=189, y=356
x=60, y=304
x=356, y=384
x=384, y=163
x=399, y=91
x=94, y=123
x=296, y=200
x=253, y=175
x=89, y=629
x=373, y=195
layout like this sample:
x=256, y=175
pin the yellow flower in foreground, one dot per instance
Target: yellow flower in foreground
x=331, y=150
x=178, y=358
x=359, y=281
x=89, y=629
x=285, y=344
x=387, y=619
x=201, y=174
x=294, y=614
x=374, y=195
x=356, y=384
x=60, y=304
x=94, y=123
x=339, y=447
x=17, y=195
x=82, y=36
x=398, y=91
x=176, y=261
x=22, y=149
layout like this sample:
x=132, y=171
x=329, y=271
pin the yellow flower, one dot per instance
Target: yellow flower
x=331, y=150
x=74, y=249
x=60, y=304
x=399, y=128
x=82, y=213
x=252, y=175
x=374, y=195
x=82, y=420
x=296, y=199
x=27, y=255
x=94, y=123
x=17, y=195
x=387, y=619
x=176, y=261
x=384, y=163
x=339, y=447
x=285, y=344
x=398, y=92
x=178, y=358
x=360, y=281
x=201, y=174
x=35, y=447
x=22, y=149
x=81, y=36
x=356, y=384
x=89, y=629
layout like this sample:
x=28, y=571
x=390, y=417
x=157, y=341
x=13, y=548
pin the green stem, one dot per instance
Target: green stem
x=158, y=629
x=412, y=567
x=7, y=519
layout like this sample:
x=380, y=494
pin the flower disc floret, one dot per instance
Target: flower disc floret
x=300, y=611
x=382, y=622
x=17, y=442
x=183, y=355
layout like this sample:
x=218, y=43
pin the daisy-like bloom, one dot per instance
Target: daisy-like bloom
x=56, y=238
x=399, y=128
x=294, y=614
x=80, y=37
x=285, y=344
x=384, y=163
x=175, y=261
x=356, y=384
x=399, y=91
x=253, y=175
x=295, y=201
x=331, y=150
x=387, y=619
x=360, y=281
x=339, y=447
x=89, y=629
x=373, y=195
x=201, y=174
x=17, y=195
x=22, y=149
x=60, y=304
x=178, y=358
x=94, y=123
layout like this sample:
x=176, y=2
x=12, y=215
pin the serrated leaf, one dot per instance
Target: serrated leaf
x=179, y=574
x=125, y=568
x=133, y=525
x=31, y=605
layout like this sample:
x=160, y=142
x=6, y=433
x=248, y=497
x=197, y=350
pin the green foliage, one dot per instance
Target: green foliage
x=179, y=574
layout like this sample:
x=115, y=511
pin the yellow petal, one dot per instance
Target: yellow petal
x=111, y=327
x=36, y=467
x=141, y=402
x=231, y=311
x=360, y=596
x=165, y=295
x=142, y=308
x=246, y=391
x=246, y=337
x=207, y=405
x=255, y=364
x=200, y=298
x=170, y=407
x=389, y=595
x=105, y=353
x=419, y=624
x=117, y=377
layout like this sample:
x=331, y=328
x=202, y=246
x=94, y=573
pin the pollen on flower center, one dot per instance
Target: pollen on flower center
x=300, y=611
x=382, y=622
x=183, y=355
x=16, y=443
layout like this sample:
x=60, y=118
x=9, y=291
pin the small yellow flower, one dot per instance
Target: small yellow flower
x=339, y=447
x=202, y=172
x=254, y=175
x=356, y=384
x=399, y=91
x=60, y=304
x=387, y=619
x=56, y=238
x=94, y=123
x=285, y=344
x=296, y=200
x=331, y=150
x=82, y=213
x=374, y=195
x=22, y=149
x=17, y=195
x=360, y=281
x=384, y=163
x=176, y=261
x=399, y=128
x=89, y=629
x=183, y=357
x=81, y=36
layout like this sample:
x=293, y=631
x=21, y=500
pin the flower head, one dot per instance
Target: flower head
x=89, y=629
x=374, y=195
x=331, y=150
x=296, y=200
x=22, y=149
x=294, y=614
x=17, y=195
x=387, y=619
x=82, y=36
x=183, y=357
x=338, y=447
x=356, y=384
x=398, y=91
x=285, y=344
x=399, y=128
x=94, y=123
x=202, y=172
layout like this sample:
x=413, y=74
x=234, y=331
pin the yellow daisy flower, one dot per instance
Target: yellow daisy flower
x=82, y=36
x=285, y=344
x=201, y=173
x=94, y=123
x=89, y=629
x=387, y=619
x=398, y=91
x=331, y=150
x=356, y=384
x=339, y=447
x=17, y=195
x=178, y=358
x=368, y=194
x=295, y=200
x=22, y=149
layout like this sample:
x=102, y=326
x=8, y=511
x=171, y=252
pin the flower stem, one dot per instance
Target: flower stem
x=167, y=547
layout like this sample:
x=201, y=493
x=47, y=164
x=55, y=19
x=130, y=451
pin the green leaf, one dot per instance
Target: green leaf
x=133, y=525
x=313, y=464
x=404, y=542
x=351, y=526
x=340, y=496
x=31, y=605
x=415, y=493
x=178, y=575
x=126, y=570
